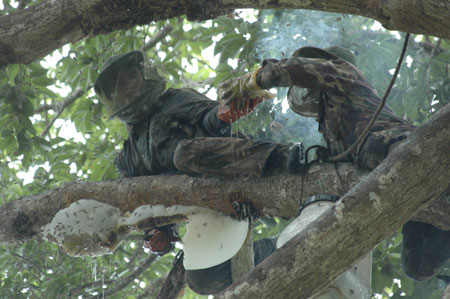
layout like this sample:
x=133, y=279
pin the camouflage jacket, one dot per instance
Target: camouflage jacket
x=342, y=101
x=183, y=114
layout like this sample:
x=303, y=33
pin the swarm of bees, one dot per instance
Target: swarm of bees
x=86, y=227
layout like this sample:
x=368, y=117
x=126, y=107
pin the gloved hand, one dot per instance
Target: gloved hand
x=274, y=73
x=230, y=114
x=239, y=90
x=161, y=240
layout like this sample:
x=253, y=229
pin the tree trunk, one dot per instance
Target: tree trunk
x=32, y=33
x=415, y=173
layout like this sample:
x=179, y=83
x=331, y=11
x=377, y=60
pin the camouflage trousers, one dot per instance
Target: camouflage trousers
x=213, y=156
x=377, y=146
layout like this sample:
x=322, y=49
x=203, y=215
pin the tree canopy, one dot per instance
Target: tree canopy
x=53, y=129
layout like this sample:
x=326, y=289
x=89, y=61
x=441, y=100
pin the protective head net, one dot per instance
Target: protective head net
x=333, y=52
x=125, y=91
x=306, y=101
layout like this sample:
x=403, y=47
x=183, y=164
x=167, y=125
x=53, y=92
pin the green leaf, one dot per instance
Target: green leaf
x=407, y=286
x=39, y=72
x=9, y=144
x=15, y=189
x=223, y=67
x=47, y=92
x=7, y=133
x=27, y=107
x=42, y=81
x=26, y=124
x=229, y=46
x=44, y=144
x=13, y=71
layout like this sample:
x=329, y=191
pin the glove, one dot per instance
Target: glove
x=274, y=73
x=240, y=90
x=230, y=114
x=160, y=240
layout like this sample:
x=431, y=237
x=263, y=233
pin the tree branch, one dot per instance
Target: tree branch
x=276, y=195
x=60, y=106
x=34, y=32
x=157, y=38
x=151, y=291
x=79, y=290
x=416, y=172
x=122, y=283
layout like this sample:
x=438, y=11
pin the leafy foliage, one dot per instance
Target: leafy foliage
x=48, y=133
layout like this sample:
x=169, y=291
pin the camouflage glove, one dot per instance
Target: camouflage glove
x=239, y=91
x=161, y=240
x=274, y=74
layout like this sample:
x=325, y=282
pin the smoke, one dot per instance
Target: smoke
x=288, y=30
x=284, y=31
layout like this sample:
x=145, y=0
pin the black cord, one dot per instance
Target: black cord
x=357, y=144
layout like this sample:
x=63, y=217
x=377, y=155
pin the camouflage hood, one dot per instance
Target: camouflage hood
x=129, y=89
x=305, y=101
x=334, y=52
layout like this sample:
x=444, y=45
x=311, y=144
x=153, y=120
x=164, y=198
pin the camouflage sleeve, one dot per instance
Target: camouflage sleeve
x=336, y=76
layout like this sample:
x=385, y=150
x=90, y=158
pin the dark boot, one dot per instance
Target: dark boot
x=215, y=279
x=425, y=249
x=287, y=157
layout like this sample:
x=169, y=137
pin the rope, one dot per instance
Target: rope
x=357, y=144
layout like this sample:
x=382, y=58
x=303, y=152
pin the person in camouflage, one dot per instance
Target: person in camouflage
x=182, y=131
x=327, y=85
x=172, y=131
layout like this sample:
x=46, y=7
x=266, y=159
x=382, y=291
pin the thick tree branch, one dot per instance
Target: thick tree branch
x=27, y=215
x=277, y=195
x=415, y=173
x=32, y=33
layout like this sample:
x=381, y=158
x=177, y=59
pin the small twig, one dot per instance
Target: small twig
x=31, y=263
x=80, y=289
x=434, y=49
x=151, y=291
x=123, y=250
x=60, y=106
x=428, y=67
x=356, y=145
x=139, y=251
x=204, y=63
x=209, y=88
x=157, y=38
x=125, y=237
x=124, y=282
x=45, y=107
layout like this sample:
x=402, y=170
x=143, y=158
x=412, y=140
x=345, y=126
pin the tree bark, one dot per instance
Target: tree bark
x=415, y=173
x=32, y=33
x=23, y=218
